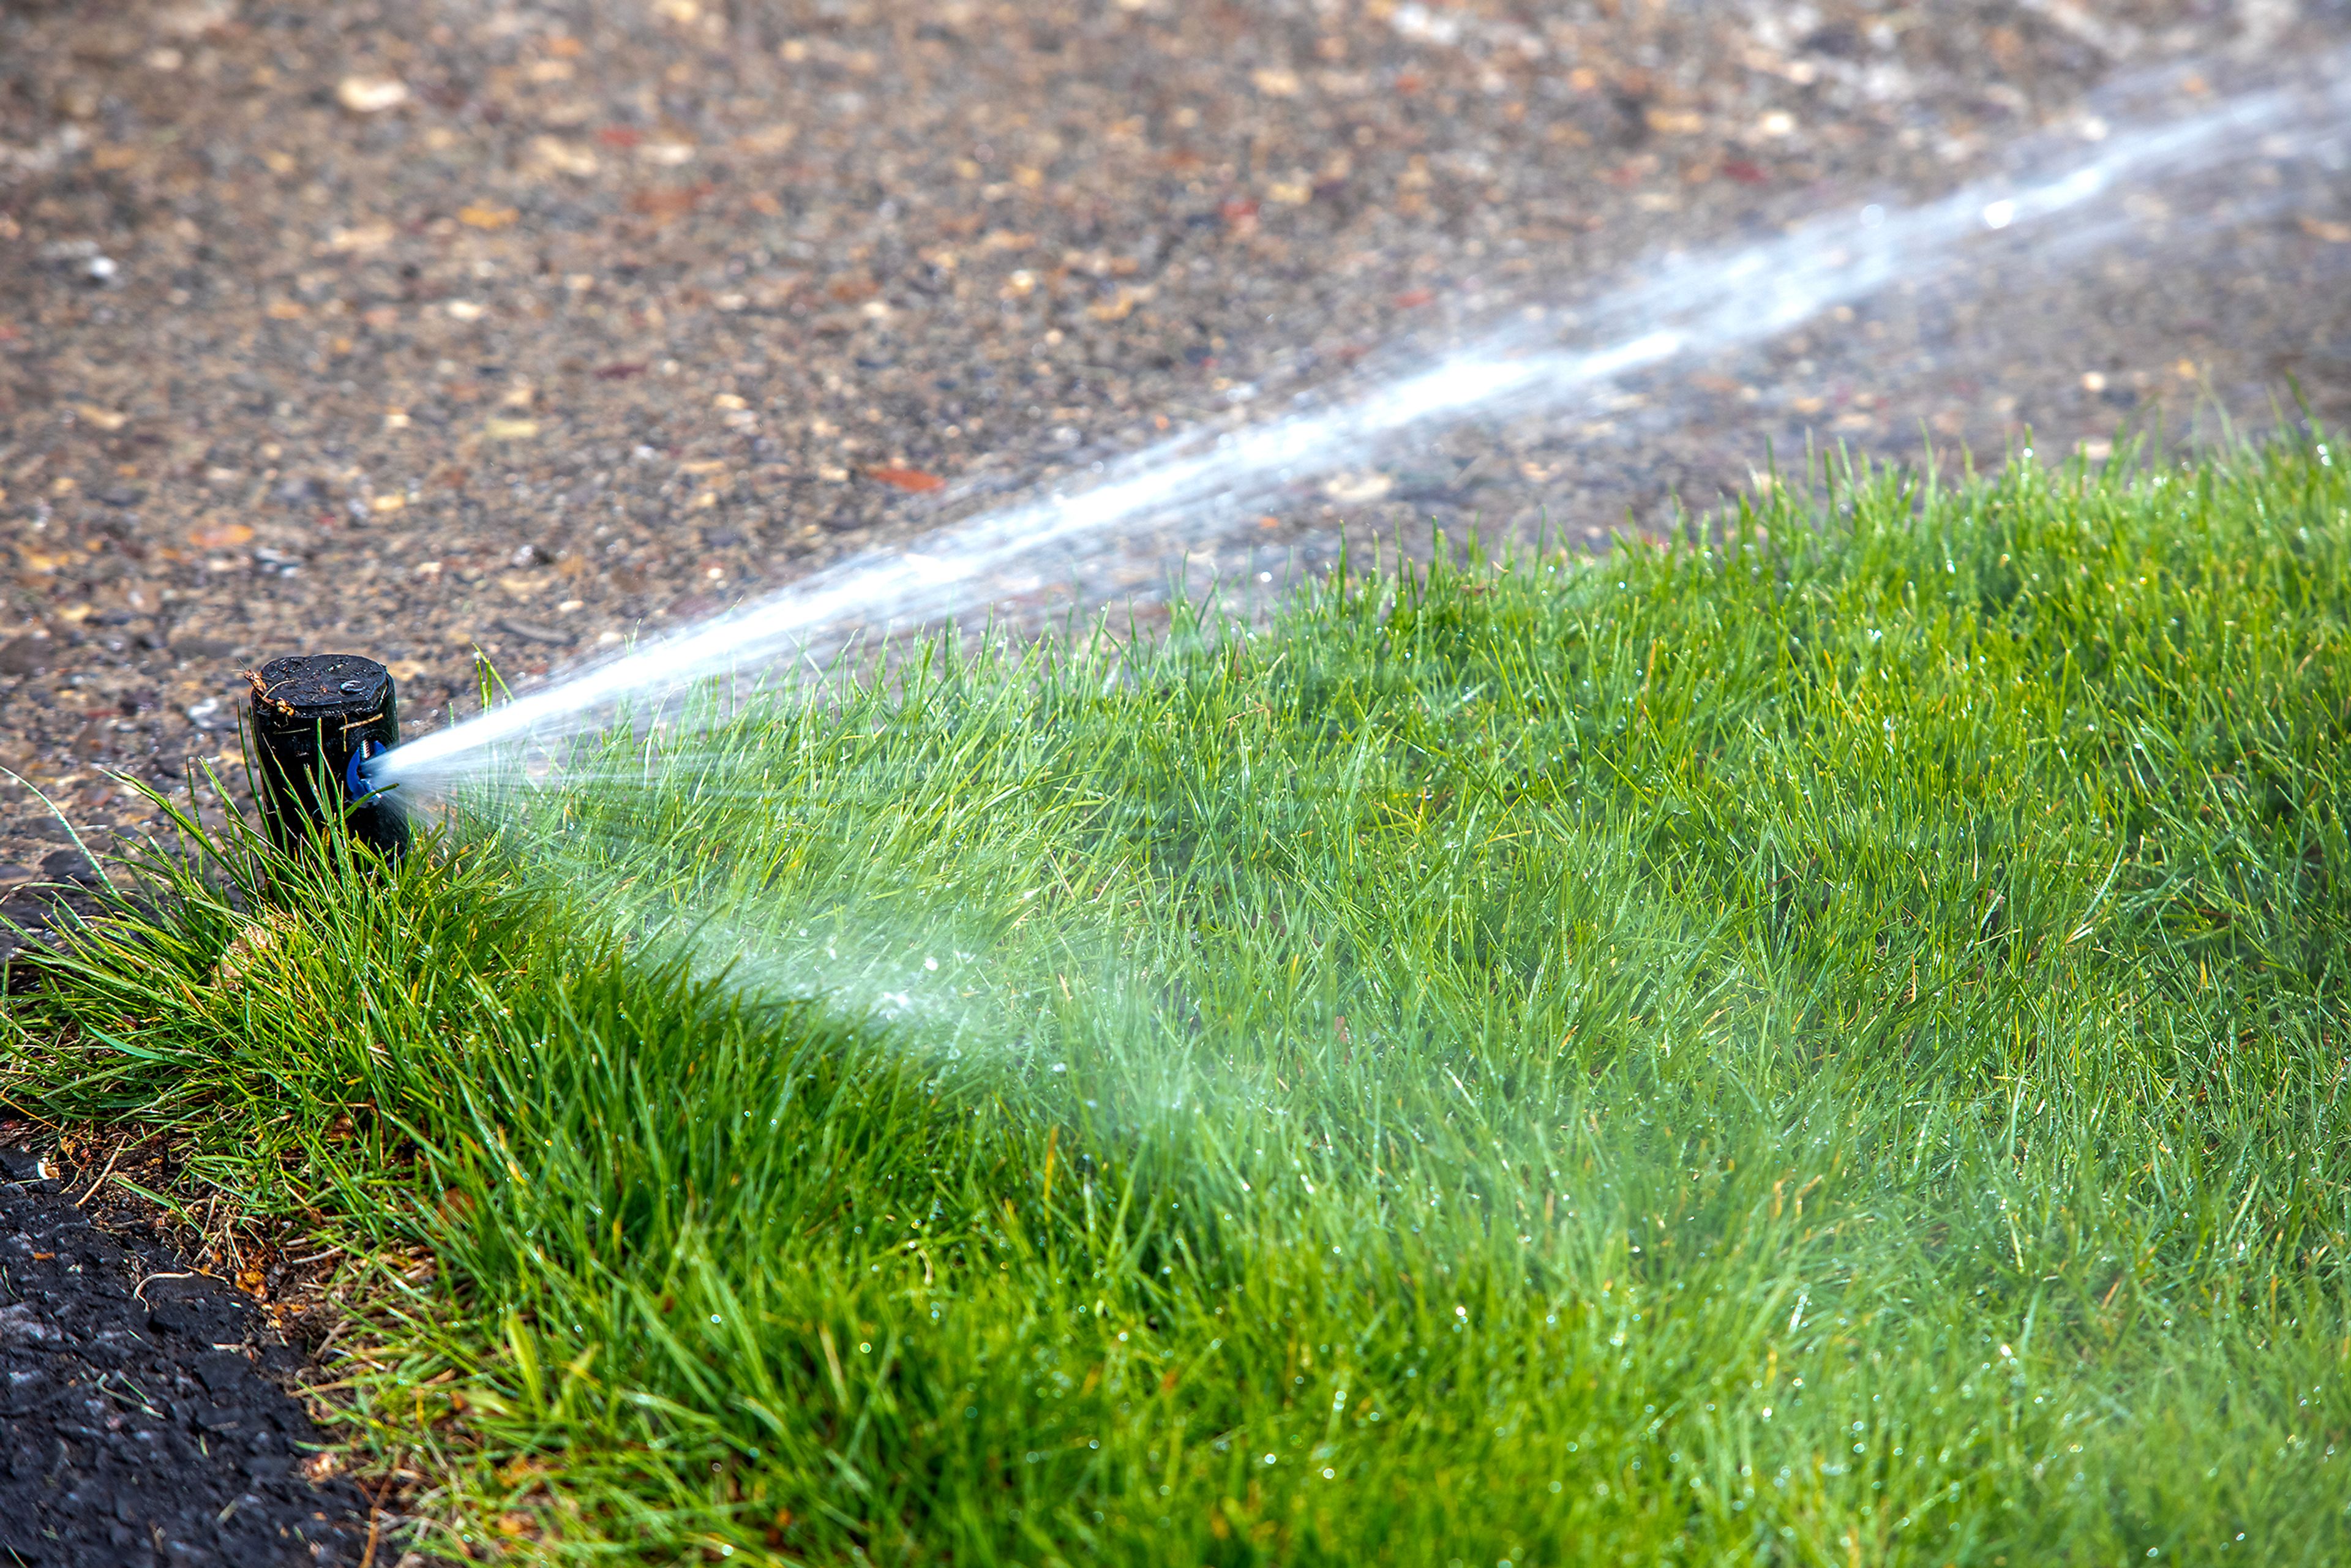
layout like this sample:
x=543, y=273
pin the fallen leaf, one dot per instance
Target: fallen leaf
x=237, y=960
x=907, y=478
x=666, y=203
x=480, y=215
x=774, y=139
x=371, y=95
x=511, y=429
x=104, y=418
x=221, y=536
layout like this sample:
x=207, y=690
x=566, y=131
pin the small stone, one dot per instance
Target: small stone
x=24, y=656
x=69, y=865
x=371, y=94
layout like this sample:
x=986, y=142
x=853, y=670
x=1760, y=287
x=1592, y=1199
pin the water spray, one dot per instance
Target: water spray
x=318, y=721
x=1690, y=304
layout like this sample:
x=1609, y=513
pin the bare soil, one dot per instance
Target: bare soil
x=144, y=1415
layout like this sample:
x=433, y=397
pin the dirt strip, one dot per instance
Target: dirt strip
x=143, y=1414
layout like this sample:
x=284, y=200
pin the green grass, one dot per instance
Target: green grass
x=1827, y=1049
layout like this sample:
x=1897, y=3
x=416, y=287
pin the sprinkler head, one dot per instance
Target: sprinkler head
x=318, y=719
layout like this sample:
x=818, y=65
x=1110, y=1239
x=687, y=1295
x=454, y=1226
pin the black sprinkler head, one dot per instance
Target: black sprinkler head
x=318, y=719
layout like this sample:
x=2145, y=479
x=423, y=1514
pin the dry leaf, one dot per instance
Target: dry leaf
x=907, y=478
x=482, y=216
x=763, y=143
x=255, y=939
x=661, y=205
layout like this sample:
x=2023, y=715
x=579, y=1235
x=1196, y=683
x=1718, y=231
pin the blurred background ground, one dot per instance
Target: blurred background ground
x=409, y=329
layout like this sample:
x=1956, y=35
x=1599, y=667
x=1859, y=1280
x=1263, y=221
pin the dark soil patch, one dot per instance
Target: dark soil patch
x=142, y=1415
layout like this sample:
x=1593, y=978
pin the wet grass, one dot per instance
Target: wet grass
x=1823, y=1048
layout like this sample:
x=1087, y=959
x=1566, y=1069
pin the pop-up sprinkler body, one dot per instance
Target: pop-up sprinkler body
x=317, y=720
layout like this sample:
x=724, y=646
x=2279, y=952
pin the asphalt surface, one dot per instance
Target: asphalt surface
x=144, y=1419
x=411, y=329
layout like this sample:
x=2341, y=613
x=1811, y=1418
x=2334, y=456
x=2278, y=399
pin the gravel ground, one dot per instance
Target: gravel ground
x=409, y=330
x=414, y=328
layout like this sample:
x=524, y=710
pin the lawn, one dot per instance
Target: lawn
x=1822, y=1047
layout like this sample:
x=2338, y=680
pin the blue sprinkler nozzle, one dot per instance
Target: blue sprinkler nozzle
x=355, y=771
